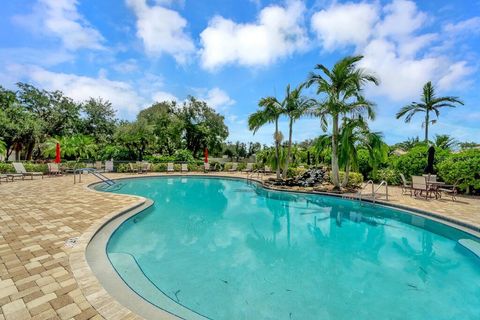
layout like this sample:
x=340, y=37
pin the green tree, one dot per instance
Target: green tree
x=203, y=127
x=168, y=126
x=77, y=146
x=295, y=106
x=136, y=137
x=98, y=119
x=429, y=104
x=341, y=88
x=270, y=112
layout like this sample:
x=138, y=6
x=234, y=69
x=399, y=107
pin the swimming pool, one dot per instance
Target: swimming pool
x=229, y=249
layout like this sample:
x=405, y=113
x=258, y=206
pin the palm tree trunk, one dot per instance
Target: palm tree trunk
x=335, y=170
x=427, y=119
x=345, y=178
x=290, y=127
x=276, y=149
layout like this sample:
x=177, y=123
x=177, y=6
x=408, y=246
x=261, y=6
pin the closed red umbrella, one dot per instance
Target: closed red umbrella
x=57, y=154
x=206, y=155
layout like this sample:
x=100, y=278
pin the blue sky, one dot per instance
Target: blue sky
x=231, y=53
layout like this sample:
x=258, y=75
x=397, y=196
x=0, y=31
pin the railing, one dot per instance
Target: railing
x=374, y=193
x=383, y=183
x=360, y=193
x=92, y=171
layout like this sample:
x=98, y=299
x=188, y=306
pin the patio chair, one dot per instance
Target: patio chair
x=234, y=167
x=450, y=190
x=170, y=167
x=108, y=166
x=431, y=177
x=406, y=185
x=267, y=170
x=419, y=185
x=133, y=168
x=206, y=167
x=99, y=166
x=146, y=167
x=249, y=167
x=20, y=169
x=184, y=167
x=6, y=178
x=53, y=169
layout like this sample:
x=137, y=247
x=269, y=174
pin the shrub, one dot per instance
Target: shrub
x=463, y=166
x=123, y=167
x=159, y=167
x=159, y=159
x=355, y=179
x=388, y=174
x=413, y=163
x=183, y=156
x=295, y=172
x=6, y=167
x=36, y=167
x=216, y=166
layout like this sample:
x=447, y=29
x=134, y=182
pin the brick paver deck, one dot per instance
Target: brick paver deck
x=37, y=217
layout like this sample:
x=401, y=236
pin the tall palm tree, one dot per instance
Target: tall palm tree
x=342, y=90
x=270, y=112
x=295, y=107
x=429, y=103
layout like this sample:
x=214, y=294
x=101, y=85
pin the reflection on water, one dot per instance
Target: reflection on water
x=231, y=250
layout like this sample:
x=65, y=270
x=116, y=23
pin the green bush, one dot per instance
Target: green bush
x=183, y=156
x=413, y=163
x=355, y=179
x=216, y=166
x=36, y=167
x=295, y=172
x=159, y=159
x=6, y=167
x=463, y=166
x=123, y=167
x=388, y=174
x=159, y=167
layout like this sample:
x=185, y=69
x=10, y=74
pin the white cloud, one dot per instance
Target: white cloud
x=218, y=99
x=278, y=32
x=471, y=25
x=162, y=31
x=127, y=66
x=161, y=96
x=345, y=24
x=121, y=94
x=61, y=19
x=392, y=45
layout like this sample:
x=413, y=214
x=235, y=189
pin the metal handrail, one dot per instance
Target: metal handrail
x=93, y=171
x=366, y=185
x=383, y=183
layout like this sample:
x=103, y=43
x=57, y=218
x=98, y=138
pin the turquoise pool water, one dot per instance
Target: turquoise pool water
x=228, y=249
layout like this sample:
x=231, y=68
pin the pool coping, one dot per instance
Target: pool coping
x=110, y=308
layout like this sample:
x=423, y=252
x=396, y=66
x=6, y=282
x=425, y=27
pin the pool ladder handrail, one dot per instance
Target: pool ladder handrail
x=374, y=192
x=93, y=171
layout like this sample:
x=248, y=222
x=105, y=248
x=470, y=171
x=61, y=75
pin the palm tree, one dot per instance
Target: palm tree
x=444, y=141
x=342, y=90
x=429, y=103
x=354, y=135
x=295, y=106
x=270, y=111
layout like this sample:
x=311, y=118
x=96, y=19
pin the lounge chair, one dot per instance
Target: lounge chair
x=249, y=167
x=184, y=167
x=108, y=166
x=6, y=178
x=450, y=190
x=99, y=166
x=133, y=168
x=206, y=167
x=406, y=185
x=53, y=169
x=19, y=168
x=419, y=185
x=146, y=167
x=170, y=167
x=234, y=167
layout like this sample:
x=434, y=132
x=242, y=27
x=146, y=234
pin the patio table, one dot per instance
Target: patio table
x=433, y=186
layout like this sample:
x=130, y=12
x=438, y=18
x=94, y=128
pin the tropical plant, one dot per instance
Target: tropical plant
x=78, y=146
x=462, y=168
x=295, y=106
x=270, y=112
x=444, y=141
x=341, y=88
x=430, y=103
x=3, y=147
